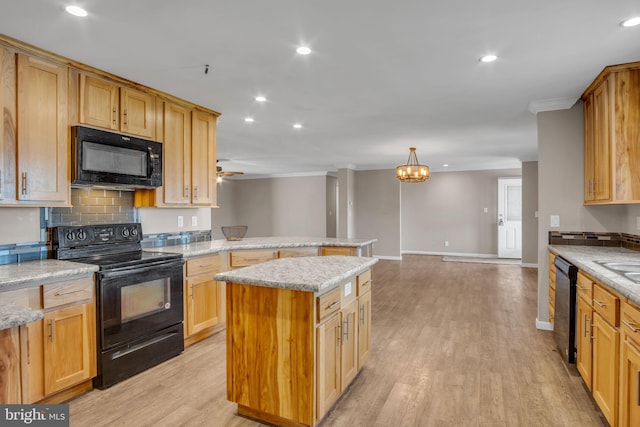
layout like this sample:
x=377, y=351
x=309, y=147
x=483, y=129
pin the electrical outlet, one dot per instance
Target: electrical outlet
x=180, y=221
x=486, y=210
x=194, y=221
x=446, y=243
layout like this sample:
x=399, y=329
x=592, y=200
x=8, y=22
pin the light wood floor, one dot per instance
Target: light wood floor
x=454, y=344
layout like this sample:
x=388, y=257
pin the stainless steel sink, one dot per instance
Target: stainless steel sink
x=628, y=269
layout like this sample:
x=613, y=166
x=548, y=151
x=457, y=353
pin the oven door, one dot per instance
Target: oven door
x=139, y=300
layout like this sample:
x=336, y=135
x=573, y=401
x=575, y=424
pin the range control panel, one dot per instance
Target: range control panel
x=88, y=235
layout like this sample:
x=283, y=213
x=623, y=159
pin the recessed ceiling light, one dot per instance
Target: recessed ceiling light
x=297, y=126
x=76, y=10
x=488, y=58
x=631, y=22
x=303, y=50
x=260, y=98
x=249, y=119
x=445, y=165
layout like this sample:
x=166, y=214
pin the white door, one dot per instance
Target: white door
x=509, y=218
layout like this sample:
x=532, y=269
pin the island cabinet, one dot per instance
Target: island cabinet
x=204, y=297
x=106, y=104
x=552, y=287
x=338, y=250
x=612, y=154
x=291, y=353
x=630, y=365
x=58, y=358
x=34, y=169
x=10, y=355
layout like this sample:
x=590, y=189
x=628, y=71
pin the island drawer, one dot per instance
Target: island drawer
x=364, y=282
x=606, y=304
x=297, y=252
x=630, y=319
x=67, y=292
x=328, y=303
x=246, y=258
x=204, y=264
x=584, y=287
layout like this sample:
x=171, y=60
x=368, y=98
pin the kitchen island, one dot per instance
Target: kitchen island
x=298, y=332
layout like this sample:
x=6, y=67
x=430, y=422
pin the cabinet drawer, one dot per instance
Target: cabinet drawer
x=328, y=303
x=584, y=287
x=204, y=264
x=338, y=250
x=246, y=258
x=606, y=304
x=630, y=321
x=297, y=252
x=67, y=292
x=28, y=297
x=364, y=282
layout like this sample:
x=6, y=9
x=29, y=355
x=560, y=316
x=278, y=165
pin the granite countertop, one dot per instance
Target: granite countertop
x=14, y=315
x=33, y=273
x=311, y=274
x=585, y=257
x=221, y=245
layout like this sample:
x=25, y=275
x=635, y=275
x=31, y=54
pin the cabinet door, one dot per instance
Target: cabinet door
x=98, y=102
x=630, y=387
x=364, y=328
x=69, y=346
x=177, y=154
x=349, y=362
x=203, y=158
x=10, y=391
x=328, y=364
x=43, y=147
x=606, y=341
x=589, y=154
x=137, y=113
x=583, y=338
x=203, y=304
x=602, y=142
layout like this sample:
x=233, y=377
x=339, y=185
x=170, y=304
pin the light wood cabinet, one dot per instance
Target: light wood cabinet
x=189, y=137
x=290, y=354
x=10, y=383
x=204, y=297
x=612, y=156
x=584, y=318
x=106, y=104
x=552, y=288
x=58, y=358
x=630, y=366
x=34, y=165
x=364, y=328
x=606, y=351
x=297, y=252
x=245, y=258
x=338, y=250
x=69, y=347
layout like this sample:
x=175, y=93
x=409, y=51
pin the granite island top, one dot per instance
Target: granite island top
x=33, y=273
x=222, y=245
x=585, y=257
x=310, y=274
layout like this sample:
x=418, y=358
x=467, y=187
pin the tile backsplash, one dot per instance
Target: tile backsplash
x=95, y=206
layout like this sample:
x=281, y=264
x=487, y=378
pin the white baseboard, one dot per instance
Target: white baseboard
x=391, y=258
x=450, y=254
x=544, y=326
x=529, y=265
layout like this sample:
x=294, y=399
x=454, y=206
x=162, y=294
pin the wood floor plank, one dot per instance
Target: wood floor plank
x=453, y=344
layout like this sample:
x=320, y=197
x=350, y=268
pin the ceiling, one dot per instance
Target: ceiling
x=382, y=76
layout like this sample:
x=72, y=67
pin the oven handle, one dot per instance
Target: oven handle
x=117, y=272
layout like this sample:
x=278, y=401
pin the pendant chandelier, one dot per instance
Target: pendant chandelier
x=412, y=171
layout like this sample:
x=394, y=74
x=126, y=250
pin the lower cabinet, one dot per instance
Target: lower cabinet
x=204, y=297
x=630, y=365
x=552, y=287
x=10, y=384
x=606, y=342
x=584, y=316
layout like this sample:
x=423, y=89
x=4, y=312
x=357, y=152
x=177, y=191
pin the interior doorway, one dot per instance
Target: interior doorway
x=509, y=221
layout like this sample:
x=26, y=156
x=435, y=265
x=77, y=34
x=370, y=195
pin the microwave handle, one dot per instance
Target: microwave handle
x=150, y=156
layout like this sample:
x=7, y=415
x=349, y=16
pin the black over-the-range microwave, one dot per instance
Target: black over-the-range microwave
x=101, y=158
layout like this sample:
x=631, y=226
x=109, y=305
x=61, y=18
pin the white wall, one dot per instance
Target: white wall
x=529, y=211
x=449, y=207
x=156, y=220
x=560, y=190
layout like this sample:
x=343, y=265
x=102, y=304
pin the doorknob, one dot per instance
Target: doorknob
x=500, y=220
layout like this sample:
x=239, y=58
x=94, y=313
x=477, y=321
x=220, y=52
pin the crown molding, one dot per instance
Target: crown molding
x=551, y=104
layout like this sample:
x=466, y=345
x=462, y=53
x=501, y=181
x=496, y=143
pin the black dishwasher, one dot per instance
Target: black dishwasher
x=564, y=324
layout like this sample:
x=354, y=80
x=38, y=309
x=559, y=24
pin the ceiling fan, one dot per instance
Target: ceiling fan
x=220, y=173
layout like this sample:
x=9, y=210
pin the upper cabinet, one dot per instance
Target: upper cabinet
x=612, y=135
x=106, y=104
x=189, y=138
x=34, y=139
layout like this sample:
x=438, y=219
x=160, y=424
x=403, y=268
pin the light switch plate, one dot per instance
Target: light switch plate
x=194, y=220
x=180, y=221
x=555, y=220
